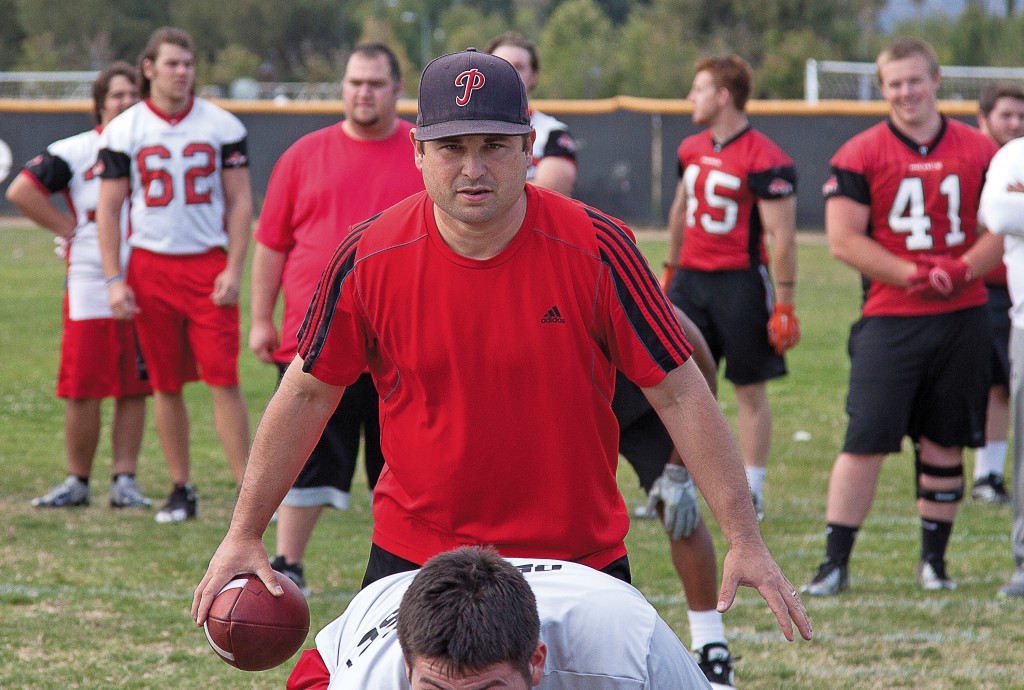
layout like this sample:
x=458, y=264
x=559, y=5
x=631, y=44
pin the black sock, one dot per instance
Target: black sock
x=934, y=539
x=131, y=475
x=84, y=480
x=839, y=542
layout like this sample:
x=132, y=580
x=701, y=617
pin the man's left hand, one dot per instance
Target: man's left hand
x=947, y=276
x=751, y=565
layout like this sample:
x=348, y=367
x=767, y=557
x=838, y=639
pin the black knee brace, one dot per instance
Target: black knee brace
x=924, y=469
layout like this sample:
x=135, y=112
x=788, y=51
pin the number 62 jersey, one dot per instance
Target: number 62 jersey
x=174, y=164
x=923, y=200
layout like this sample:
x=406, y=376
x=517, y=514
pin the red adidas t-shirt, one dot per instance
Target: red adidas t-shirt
x=323, y=184
x=923, y=199
x=495, y=376
x=723, y=229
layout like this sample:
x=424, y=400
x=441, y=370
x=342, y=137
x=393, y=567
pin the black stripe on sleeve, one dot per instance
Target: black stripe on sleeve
x=53, y=172
x=849, y=184
x=114, y=165
x=317, y=323
x=646, y=307
x=235, y=154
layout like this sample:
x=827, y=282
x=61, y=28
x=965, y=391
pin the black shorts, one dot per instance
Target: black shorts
x=643, y=439
x=999, y=323
x=731, y=309
x=918, y=376
x=383, y=563
x=326, y=478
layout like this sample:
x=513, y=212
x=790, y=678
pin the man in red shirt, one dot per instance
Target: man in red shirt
x=493, y=316
x=902, y=208
x=326, y=182
x=1001, y=117
x=735, y=186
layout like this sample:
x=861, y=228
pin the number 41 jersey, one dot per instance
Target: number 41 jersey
x=923, y=199
x=174, y=164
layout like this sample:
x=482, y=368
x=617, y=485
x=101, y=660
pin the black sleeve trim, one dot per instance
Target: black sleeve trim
x=53, y=172
x=235, y=154
x=114, y=165
x=774, y=183
x=849, y=184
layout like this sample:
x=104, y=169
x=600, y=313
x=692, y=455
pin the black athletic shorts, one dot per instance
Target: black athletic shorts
x=326, y=478
x=731, y=309
x=383, y=563
x=918, y=376
x=643, y=439
x=999, y=322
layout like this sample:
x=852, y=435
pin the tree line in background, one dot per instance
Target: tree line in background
x=589, y=48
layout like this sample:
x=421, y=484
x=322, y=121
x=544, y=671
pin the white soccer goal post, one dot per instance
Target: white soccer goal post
x=829, y=79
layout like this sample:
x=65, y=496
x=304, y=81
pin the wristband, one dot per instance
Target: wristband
x=113, y=279
x=786, y=283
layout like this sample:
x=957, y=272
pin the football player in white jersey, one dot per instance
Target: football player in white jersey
x=184, y=162
x=98, y=353
x=469, y=618
x=554, y=149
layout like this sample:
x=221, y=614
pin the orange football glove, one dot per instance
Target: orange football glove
x=666, y=277
x=783, y=328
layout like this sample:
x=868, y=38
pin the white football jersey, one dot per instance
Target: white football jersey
x=1002, y=211
x=553, y=139
x=600, y=632
x=69, y=166
x=175, y=164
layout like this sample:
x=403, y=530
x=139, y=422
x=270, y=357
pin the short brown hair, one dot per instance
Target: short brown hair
x=466, y=610
x=516, y=40
x=101, y=86
x=991, y=94
x=906, y=47
x=166, y=34
x=372, y=51
x=731, y=73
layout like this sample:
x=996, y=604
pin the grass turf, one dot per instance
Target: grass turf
x=96, y=598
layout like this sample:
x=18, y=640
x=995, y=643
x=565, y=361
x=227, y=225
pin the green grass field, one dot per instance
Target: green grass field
x=92, y=598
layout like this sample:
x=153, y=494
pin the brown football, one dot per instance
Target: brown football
x=253, y=630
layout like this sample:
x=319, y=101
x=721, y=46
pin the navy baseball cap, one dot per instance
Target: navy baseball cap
x=471, y=93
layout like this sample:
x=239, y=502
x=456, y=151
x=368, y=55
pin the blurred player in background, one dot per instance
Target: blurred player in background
x=326, y=182
x=672, y=497
x=1001, y=117
x=184, y=163
x=1002, y=211
x=98, y=352
x=736, y=186
x=554, y=149
x=471, y=619
x=901, y=208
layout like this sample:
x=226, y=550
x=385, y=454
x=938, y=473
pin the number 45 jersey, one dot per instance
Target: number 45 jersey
x=724, y=181
x=174, y=164
x=923, y=199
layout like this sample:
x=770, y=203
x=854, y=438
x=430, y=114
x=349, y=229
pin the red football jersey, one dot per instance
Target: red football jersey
x=723, y=230
x=923, y=199
x=325, y=183
x=495, y=376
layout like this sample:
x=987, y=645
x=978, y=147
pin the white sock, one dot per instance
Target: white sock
x=705, y=627
x=755, y=478
x=991, y=459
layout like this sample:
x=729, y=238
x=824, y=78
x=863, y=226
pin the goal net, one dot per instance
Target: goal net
x=827, y=79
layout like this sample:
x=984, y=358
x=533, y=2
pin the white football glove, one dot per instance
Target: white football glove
x=674, y=489
x=61, y=246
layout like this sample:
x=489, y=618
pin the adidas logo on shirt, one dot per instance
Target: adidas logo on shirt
x=552, y=316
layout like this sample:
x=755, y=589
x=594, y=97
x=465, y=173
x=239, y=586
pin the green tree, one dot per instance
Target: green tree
x=466, y=26
x=576, y=47
x=655, y=53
